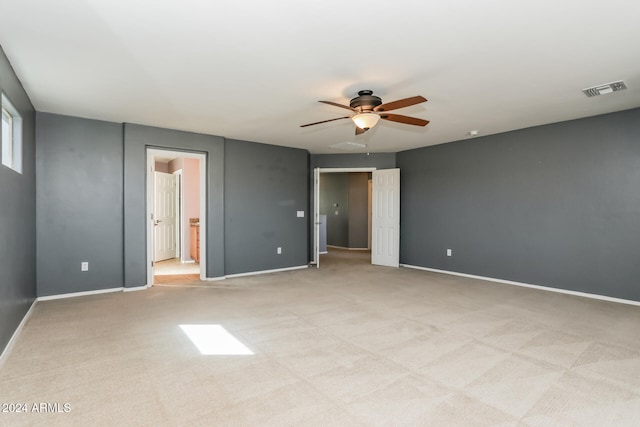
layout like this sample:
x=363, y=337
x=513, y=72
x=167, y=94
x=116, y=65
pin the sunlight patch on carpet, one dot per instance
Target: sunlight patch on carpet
x=214, y=340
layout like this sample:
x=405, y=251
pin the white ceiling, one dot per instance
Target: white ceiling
x=254, y=70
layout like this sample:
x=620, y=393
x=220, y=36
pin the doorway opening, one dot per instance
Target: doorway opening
x=345, y=215
x=176, y=203
x=383, y=214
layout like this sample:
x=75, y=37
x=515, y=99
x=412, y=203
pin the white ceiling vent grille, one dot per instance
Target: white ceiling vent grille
x=348, y=145
x=604, y=89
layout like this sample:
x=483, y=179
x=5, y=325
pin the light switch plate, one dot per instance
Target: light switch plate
x=84, y=266
x=300, y=214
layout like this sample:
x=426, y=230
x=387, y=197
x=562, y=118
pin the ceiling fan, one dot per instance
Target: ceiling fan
x=369, y=108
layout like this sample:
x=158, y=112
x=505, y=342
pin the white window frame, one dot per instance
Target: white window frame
x=12, y=139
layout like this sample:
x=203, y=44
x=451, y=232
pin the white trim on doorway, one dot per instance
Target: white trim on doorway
x=180, y=210
x=165, y=153
x=316, y=205
x=329, y=170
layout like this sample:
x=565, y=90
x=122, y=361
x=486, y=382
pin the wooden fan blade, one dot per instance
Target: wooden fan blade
x=324, y=121
x=404, y=119
x=338, y=105
x=401, y=103
x=360, y=131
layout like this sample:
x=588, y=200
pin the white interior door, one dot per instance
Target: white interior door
x=385, y=219
x=316, y=217
x=164, y=222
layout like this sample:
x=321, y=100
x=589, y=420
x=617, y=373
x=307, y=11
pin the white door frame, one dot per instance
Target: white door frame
x=316, y=217
x=369, y=211
x=316, y=204
x=150, y=167
x=179, y=211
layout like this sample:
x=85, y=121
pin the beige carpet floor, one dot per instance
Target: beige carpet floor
x=348, y=344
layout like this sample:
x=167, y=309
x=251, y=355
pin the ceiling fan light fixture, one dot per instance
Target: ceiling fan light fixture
x=365, y=120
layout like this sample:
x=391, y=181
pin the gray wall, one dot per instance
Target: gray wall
x=359, y=210
x=79, y=204
x=334, y=190
x=265, y=185
x=92, y=203
x=17, y=216
x=349, y=160
x=136, y=139
x=555, y=205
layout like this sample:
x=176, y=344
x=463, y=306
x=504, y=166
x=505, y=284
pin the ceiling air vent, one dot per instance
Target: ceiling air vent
x=605, y=88
x=348, y=145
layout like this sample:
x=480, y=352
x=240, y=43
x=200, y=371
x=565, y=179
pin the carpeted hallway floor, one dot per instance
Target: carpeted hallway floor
x=348, y=344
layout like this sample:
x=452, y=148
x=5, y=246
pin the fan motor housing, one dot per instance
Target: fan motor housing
x=365, y=101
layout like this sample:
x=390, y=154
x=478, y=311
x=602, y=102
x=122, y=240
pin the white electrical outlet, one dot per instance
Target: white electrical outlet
x=84, y=266
x=300, y=214
x=449, y=252
x=279, y=250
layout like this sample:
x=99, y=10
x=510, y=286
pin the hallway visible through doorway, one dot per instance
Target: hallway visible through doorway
x=173, y=270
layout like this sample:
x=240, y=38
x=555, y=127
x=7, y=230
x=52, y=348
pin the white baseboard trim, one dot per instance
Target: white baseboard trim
x=277, y=270
x=527, y=285
x=80, y=294
x=136, y=288
x=214, y=279
x=345, y=248
x=7, y=350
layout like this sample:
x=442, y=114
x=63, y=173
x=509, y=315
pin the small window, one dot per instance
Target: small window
x=11, y=136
